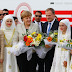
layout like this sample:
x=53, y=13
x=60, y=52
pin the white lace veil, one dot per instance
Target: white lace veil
x=68, y=31
x=4, y=27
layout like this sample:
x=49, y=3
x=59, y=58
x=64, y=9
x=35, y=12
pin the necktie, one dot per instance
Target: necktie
x=49, y=29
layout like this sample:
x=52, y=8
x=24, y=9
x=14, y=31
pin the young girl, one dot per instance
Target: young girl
x=8, y=27
x=62, y=56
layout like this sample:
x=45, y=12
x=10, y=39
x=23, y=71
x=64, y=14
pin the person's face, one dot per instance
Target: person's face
x=1, y=14
x=5, y=13
x=62, y=27
x=27, y=20
x=16, y=22
x=38, y=17
x=8, y=22
x=49, y=16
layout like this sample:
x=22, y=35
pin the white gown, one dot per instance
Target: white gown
x=60, y=56
x=70, y=70
x=10, y=64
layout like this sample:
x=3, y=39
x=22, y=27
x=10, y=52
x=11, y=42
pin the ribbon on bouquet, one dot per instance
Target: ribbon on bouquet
x=41, y=51
x=20, y=48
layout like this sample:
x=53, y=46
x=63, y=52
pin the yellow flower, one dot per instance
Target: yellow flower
x=55, y=33
x=38, y=38
x=71, y=43
x=64, y=39
x=33, y=33
x=39, y=35
x=29, y=36
x=61, y=40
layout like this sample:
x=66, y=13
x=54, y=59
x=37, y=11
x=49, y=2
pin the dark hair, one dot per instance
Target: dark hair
x=15, y=18
x=5, y=9
x=38, y=12
x=50, y=9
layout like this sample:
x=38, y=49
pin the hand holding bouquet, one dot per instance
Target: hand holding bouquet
x=67, y=44
x=34, y=42
x=51, y=39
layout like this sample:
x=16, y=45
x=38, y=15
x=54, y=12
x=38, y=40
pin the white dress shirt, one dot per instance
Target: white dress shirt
x=51, y=25
x=50, y=28
x=39, y=24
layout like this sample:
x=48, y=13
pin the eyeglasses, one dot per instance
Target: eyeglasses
x=5, y=13
x=1, y=14
x=38, y=15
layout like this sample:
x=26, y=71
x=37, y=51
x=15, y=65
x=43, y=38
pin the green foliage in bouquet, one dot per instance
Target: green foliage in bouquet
x=69, y=43
x=53, y=36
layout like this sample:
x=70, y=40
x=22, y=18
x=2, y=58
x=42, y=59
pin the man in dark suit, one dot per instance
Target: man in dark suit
x=39, y=61
x=38, y=16
x=51, y=25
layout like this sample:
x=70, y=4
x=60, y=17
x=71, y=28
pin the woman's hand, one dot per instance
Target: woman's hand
x=65, y=63
x=1, y=60
x=47, y=46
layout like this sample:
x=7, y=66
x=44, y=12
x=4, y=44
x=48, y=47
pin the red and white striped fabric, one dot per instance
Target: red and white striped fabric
x=60, y=14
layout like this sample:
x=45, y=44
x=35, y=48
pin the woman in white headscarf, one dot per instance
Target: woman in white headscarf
x=8, y=27
x=62, y=56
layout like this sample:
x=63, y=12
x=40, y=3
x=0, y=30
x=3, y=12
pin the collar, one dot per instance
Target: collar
x=24, y=29
x=51, y=22
x=37, y=22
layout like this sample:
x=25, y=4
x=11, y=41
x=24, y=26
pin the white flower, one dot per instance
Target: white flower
x=37, y=43
x=52, y=35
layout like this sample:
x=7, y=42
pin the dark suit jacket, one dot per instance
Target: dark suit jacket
x=42, y=24
x=54, y=26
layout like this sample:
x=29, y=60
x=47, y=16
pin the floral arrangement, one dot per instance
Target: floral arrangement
x=52, y=36
x=33, y=39
x=51, y=39
x=31, y=42
x=69, y=43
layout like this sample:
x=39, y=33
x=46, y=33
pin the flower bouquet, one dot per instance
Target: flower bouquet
x=31, y=42
x=52, y=38
x=33, y=39
x=67, y=44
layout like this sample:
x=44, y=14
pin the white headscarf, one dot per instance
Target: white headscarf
x=68, y=31
x=4, y=27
